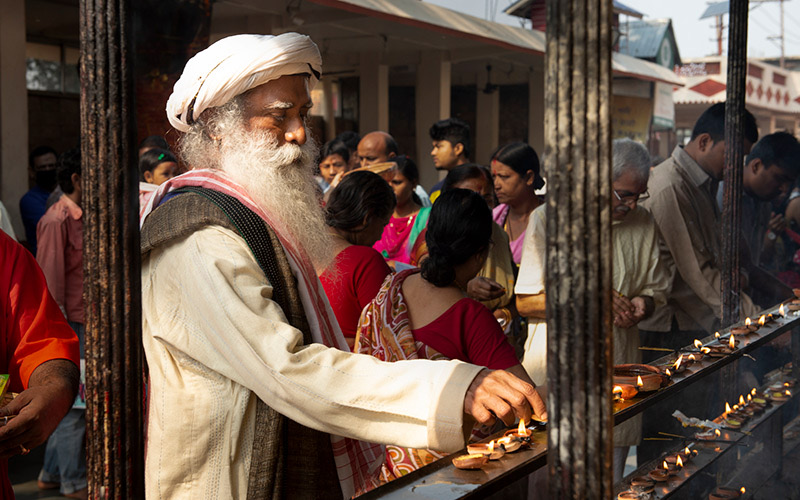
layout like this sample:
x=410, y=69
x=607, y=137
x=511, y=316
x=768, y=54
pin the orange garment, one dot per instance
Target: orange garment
x=59, y=237
x=32, y=329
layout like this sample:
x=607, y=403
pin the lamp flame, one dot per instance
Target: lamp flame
x=788, y=392
x=678, y=362
x=617, y=391
x=504, y=440
x=522, y=429
x=762, y=320
x=716, y=335
x=687, y=451
x=639, y=382
x=705, y=350
x=732, y=342
x=692, y=358
x=753, y=391
x=669, y=373
x=727, y=408
x=735, y=407
x=741, y=400
x=698, y=344
x=781, y=311
x=742, y=490
x=717, y=432
x=679, y=462
x=665, y=466
x=749, y=398
x=490, y=448
x=747, y=322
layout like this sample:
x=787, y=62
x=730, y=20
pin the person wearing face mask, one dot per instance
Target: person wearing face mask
x=33, y=204
x=356, y=213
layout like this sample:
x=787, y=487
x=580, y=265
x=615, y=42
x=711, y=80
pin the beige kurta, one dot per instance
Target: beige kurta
x=637, y=272
x=215, y=341
x=683, y=204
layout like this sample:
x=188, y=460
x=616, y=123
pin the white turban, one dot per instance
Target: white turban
x=235, y=65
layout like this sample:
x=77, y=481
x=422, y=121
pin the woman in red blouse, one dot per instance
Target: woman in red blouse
x=357, y=211
x=427, y=315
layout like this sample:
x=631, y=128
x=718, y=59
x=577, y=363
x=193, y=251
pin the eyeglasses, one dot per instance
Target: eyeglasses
x=631, y=198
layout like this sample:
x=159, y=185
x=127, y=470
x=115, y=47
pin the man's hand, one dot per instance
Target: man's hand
x=777, y=224
x=624, y=310
x=480, y=288
x=38, y=410
x=499, y=394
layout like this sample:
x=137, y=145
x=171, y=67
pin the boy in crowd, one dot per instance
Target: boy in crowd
x=450, y=148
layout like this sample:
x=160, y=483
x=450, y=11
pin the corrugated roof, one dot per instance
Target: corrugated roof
x=642, y=38
x=522, y=8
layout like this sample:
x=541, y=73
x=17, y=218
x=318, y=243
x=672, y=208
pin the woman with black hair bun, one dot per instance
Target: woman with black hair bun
x=426, y=314
x=356, y=213
x=515, y=170
x=408, y=220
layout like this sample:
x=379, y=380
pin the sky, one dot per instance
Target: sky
x=696, y=38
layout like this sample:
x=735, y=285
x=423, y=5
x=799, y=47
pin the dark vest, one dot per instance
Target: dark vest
x=289, y=460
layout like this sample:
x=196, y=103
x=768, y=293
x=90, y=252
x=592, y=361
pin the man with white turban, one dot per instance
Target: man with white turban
x=253, y=393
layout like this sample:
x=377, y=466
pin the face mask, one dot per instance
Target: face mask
x=47, y=179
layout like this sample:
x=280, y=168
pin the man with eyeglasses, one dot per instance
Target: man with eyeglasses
x=640, y=279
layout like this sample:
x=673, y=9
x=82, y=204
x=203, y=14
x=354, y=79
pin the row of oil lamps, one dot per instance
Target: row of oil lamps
x=479, y=454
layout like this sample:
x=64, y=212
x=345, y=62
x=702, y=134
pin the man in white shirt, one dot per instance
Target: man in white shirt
x=243, y=379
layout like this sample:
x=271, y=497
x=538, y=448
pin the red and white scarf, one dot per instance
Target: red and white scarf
x=354, y=459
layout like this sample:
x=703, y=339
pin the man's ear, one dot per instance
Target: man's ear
x=391, y=155
x=704, y=142
x=458, y=149
x=756, y=166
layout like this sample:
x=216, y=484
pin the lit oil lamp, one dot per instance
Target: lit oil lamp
x=521, y=432
x=717, y=433
x=494, y=452
x=639, y=382
x=617, y=392
x=742, y=490
x=753, y=391
x=677, y=364
x=697, y=344
x=510, y=444
x=679, y=463
x=782, y=311
x=749, y=399
x=716, y=335
x=624, y=391
x=762, y=320
x=692, y=358
x=705, y=350
x=727, y=409
x=732, y=343
x=667, y=372
x=741, y=400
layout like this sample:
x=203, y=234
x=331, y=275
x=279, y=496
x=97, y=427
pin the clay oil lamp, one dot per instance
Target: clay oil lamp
x=628, y=495
x=521, y=433
x=659, y=475
x=624, y=391
x=669, y=466
x=687, y=454
x=643, y=485
x=492, y=450
x=775, y=388
x=742, y=330
x=679, y=366
x=723, y=493
x=794, y=305
x=471, y=461
x=695, y=357
x=510, y=444
x=645, y=378
x=781, y=396
x=752, y=326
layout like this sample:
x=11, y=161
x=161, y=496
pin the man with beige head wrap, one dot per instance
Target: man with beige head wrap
x=252, y=392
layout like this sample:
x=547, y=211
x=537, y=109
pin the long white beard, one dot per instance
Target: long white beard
x=280, y=180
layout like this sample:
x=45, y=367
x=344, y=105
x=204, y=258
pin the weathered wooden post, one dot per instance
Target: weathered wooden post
x=734, y=150
x=114, y=360
x=578, y=285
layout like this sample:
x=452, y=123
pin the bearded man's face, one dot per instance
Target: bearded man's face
x=279, y=108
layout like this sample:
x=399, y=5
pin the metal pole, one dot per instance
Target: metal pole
x=734, y=148
x=114, y=360
x=578, y=284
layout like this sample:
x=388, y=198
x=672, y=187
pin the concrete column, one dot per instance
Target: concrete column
x=487, y=124
x=773, y=124
x=536, y=111
x=373, y=103
x=328, y=112
x=13, y=111
x=432, y=104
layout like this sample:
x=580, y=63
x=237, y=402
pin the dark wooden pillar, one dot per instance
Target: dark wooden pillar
x=114, y=360
x=578, y=284
x=734, y=149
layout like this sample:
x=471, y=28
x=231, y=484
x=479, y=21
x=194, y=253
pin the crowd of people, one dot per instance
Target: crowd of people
x=317, y=324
